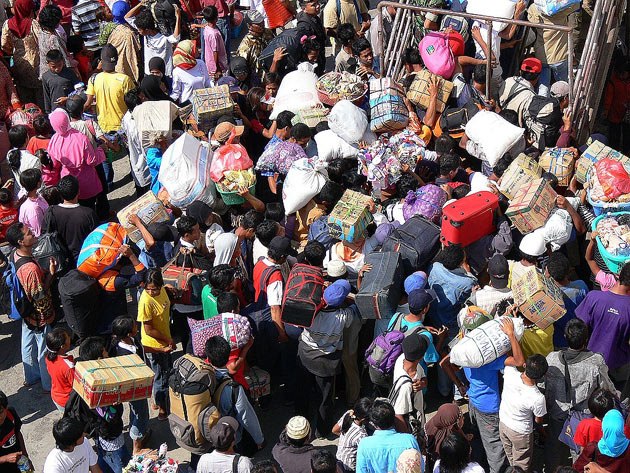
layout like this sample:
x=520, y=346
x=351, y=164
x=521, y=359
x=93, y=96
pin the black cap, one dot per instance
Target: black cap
x=499, y=271
x=282, y=245
x=223, y=433
x=419, y=299
x=414, y=346
x=109, y=57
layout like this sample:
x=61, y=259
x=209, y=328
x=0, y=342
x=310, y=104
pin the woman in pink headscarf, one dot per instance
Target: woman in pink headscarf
x=72, y=153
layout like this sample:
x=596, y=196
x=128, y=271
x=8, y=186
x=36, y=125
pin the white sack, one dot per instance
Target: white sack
x=303, y=182
x=330, y=146
x=297, y=92
x=493, y=134
x=348, y=121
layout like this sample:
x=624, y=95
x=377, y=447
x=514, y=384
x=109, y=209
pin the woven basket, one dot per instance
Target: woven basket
x=332, y=99
x=232, y=198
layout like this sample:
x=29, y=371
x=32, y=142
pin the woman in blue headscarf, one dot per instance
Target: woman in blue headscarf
x=126, y=41
x=611, y=452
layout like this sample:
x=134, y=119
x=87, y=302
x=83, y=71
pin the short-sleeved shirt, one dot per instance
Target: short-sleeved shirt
x=405, y=400
x=10, y=430
x=61, y=372
x=217, y=462
x=348, y=13
x=78, y=460
x=157, y=310
x=551, y=47
x=536, y=341
x=109, y=89
x=520, y=402
x=213, y=42
x=209, y=303
x=7, y=218
x=349, y=442
x=484, y=385
x=32, y=213
x=590, y=430
x=275, y=286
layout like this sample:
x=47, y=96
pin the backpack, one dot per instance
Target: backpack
x=194, y=399
x=163, y=13
x=458, y=23
x=289, y=40
x=437, y=55
x=81, y=297
x=318, y=231
x=356, y=9
x=453, y=120
x=543, y=119
x=13, y=299
x=49, y=245
x=304, y=295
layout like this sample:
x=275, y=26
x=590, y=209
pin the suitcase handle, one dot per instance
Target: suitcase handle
x=456, y=224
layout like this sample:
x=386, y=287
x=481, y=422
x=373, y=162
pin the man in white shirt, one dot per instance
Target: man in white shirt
x=223, y=459
x=521, y=400
x=72, y=453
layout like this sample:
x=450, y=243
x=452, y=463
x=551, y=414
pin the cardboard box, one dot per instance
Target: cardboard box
x=350, y=216
x=154, y=120
x=531, y=206
x=209, y=104
x=539, y=298
x=519, y=173
x=113, y=380
x=311, y=116
x=419, y=95
x=150, y=210
x=596, y=151
x=559, y=162
x=259, y=383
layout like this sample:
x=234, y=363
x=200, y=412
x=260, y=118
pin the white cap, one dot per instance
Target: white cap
x=533, y=244
x=336, y=269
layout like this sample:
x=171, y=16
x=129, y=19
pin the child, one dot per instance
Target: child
x=19, y=159
x=43, y=132
x=271, y=84
x=344, y=61
x=50, y=176
x=106, y=24
x=590, y=430
x=351, y=429
x=215, y=55
x=76, y=46
x=154, y=161
x=58, y=81
x=124, y=342
x=33, y=208
x=311, y=50
x=60, y=366
x=8, y=214
x=12, y=444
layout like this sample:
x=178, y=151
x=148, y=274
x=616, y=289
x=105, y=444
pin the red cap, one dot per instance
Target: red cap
x=531, y=64
x=456, y=43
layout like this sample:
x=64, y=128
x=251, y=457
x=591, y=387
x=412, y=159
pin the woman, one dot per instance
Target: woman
x=189, y=73
x=351, y=429
x=448, y=419
x=48, y=38
x=157, y=67
x=126, y=41
x=455, y=456
x=409, y=461
x=19, y=39
x=228, y=251
x=154, y=88
x=611, y=452
x=72, y=152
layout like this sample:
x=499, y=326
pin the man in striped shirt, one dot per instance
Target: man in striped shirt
x=84, y=22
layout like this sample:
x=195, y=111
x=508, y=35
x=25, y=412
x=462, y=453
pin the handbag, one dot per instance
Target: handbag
x=187, y=281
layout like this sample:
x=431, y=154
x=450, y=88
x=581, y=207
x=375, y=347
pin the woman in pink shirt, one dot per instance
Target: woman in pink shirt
x=72, y=153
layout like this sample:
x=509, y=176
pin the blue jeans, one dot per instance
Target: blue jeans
x=138, y=419
x=161, y=364
x=34, y=356
x=225, y=28
x=560, y=72
x=113, y=461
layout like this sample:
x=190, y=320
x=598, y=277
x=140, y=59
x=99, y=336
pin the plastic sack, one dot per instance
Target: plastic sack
x=303, y=182
x=279, y=157
x=437, y=55
x=330, y=146
x=557, y=229
x=347, y=121
x=154, y=119
x=496, y=8
x=426, y=201
x=100, y=250
x=297, y=92
x=184, y=172
x=229, y=157
x=551, y=7
x=613, y=177
x=493, y=133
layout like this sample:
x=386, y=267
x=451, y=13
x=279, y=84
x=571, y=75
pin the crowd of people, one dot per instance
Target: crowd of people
x=72, y=75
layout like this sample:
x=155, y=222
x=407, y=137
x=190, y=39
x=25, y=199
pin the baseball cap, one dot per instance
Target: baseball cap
x=603, y=139
x=383, y=231
x=254, y=17
x=298, y=428
x=109, y=57
x=239, y=66
x=532, y=244
x=282, y=245
x=531, y=64
x=560, y=89
x=419, y=299
x=336, y=293
x=223, y=433
x=230, y=82
x=456, y=43
x=498, y=270
x=474, y=318
x=414, y=346
x=417, y=280
x=336, y=269
x=223, y=131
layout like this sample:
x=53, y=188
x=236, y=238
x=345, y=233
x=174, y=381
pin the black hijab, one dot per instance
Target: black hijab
x=200, y=211
x=150, y=86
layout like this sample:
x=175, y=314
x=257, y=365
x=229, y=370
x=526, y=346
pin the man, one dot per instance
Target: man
x=72, y=452
x=586, y=371
x=489, y=297
x=426, y=22
x=84, y=22
x=294, y=451
x=254, y=42
x=516, y=92
x=137, y=154
x=337, y=12
x=246, y=232
x=223, y=458
x=37, y=310
x=379, y=452
x=188, y=248
x=531, y=248
x=71, y=221
x=474, y=90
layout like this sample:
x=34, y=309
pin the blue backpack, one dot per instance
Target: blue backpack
x=13, y=299
x=318, y=231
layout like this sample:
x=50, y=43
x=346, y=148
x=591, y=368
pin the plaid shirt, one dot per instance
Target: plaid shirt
x=84, y=22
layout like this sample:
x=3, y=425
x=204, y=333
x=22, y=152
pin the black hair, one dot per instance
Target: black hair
x=624, y=275
x=210, y=14
x=217, y=351
x=186, y=225
x=75, y=43
x=382, y=415
x=50, y=193
x=360, y=45
x=153, y=276
x=445, y=144
x=220, y=277
x=276, y=255
x=274, y=211
x=14, y=157
x=91, y=349
x=449, y=162
x=330, y=193
x=6, y=197
x=227, y=302
x=300, y=131
x=412, y=56
x=122, y=326
x=314, y=253
x=502, y=164
x=451, y=257
x=49, y=17
x=311, y=44
x=323, y=461
x=558, y=266
x=41, y=125
x=346, y=34
x=252, y=219
x=67, y=431
x=255, y=95
x=551, y=178
x=460, y=191
x=529, y=258
x=272, y=78
x=132, y=99
x=360, y=411
x=4, y=401
x=284, y=119
x=15, y=234
x=68, y=187
x=145, y=21
x=321, y=126
x=353, y=180
x=600, y=402
x=454, y=453
x=54, y=341
x=102, y=13
x=54, y=55
x=266, y=231
x=510, y=116
x=30, y=179
x=18, y=136
x=336, y=168
x=536, y=367
x=405, y=184
x=527, y=75
x=264, y=466
x=479, y=74
x=74, y=106
x=576, y=334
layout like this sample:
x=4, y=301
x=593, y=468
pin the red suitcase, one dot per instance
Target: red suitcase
x=469, y=218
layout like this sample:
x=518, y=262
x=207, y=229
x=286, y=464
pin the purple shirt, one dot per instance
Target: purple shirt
x=32, y=213
x=608, y=316
x=213, y=42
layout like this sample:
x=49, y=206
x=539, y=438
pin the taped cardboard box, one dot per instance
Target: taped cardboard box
x=419, y=95
x=350, y=216
x=596, y=151
x=539, y=298
x=559, y=162
x=519, y=173
x=531, y=206
x=209, y=104
x=148, y=208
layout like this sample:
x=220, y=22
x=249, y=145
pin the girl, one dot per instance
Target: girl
x=60, y=366
x=18, y=157
x=272, y=84
x=50, y=176
x=351, y=429
x=124, y=342
x=33, y=208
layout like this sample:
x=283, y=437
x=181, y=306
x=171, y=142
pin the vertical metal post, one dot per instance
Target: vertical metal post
x=380, y=39
x=488, y=59
x=570, y=59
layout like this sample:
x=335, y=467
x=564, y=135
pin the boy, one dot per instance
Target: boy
x=8, y=214
x=215, y=55
x=71, y=452
x=520, y=399
x=155, y=43
x=76, y=46
x=344, y=61
x=43, y=133
x=11, y=439
x=58, y=81
x=33, y=208
x=368, y=66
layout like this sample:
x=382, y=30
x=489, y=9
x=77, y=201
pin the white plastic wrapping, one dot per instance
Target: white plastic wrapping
x=348, y=121
x=297, y=92
x=493, y=134
x=330, y=146
x=303, y=182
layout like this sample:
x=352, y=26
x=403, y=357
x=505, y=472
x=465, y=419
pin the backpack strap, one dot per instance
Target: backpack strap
x=514, y=94
x=393, y=393
x=356, y=8
x=216, y=397
x=264, y=280
x=237, y=457
x=397, y=322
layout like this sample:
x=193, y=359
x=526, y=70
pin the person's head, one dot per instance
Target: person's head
x=551, y=179
x=41, y=125
x=414, y=346
x=531, y=69
x=18, y=136
x=153, y=282
x=228, y=302
x=283, y=124
x=558, y=267
x=54, y=60
x=109, y=58
x=6, y=197
x=498, y=270
x=416, y=280
x=336, y=270
x=224, y=130
x=600, y=402
x=188, y=228
x=501, y=166
x=255, y=97
x=31, y=179
x=274, y=211
x=362, y=50
x=536, y=367
x=210, y=14
x=531, y=247
x=133, y=98
x=221, y=277
x=613, y=442
x=479, y=78
x=264, y=466
x=405, y=184
x=300, y=134
x=145, y=23
x=382, y=415
x=69, y=188
x=279, y=248
x=449, y=164
x=255, y=23
x=74, y=106
x=217, y=351
x=266, y=230
x=330, y=194
x=311, y=7
x=454, y=453
x=104, y=14
x=460, y=191
x=249, y=222
x=337, y=292
x=49, y=17
x=624, y=275
x=420, y=301
x=622, y=68
x=323, y=461
x=452, y=257
x=560, y=91
x=576, y=334
x=314, y=253
x=412, y=59
x=57, y=343
x=445, y=144
x=346, y=34
x=75, y=44
x=68, y=433
x=20, y=236
x=223, y=434
x=92, y=348
x=353, y=180
x=360, y=414
x=272, y=83
x=124, y=326
x=298, y=431
x=311, y=49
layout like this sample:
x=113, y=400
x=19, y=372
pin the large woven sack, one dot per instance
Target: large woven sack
x=493, y=133
x=551, y=7
x=426, y=201
x=418, y=92
x=330, y=146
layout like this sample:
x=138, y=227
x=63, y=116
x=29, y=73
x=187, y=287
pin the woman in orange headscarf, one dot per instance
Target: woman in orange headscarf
x=189, y=73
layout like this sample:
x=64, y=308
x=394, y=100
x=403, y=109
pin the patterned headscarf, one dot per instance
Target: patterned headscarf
x=184, y=55
x=410, y=461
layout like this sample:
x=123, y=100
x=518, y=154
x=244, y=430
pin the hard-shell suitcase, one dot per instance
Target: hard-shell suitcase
x=469, y=218
x=381, y=287
x=417, y=241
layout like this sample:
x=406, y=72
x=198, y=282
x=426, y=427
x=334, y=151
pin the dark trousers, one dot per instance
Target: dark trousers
x=319, y=389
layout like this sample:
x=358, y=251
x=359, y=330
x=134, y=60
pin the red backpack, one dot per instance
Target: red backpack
x=304, y=296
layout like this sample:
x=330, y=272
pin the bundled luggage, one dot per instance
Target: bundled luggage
x=259, y=383
x=454, y=120
x=290, y=41
x=277, y=13
x=311, y=116
x=542, y=119
x=235, y=328
x=304, y=295
x=100, y=250
x=303, y=182
x=209, y=104
x=539, y=298
x=418, y=92
x=559, y=162
x=519, y=173
x=148, y=208
x=350, y=216
x=494, y=134
x=437, y=55
x=387, y=106
x=154, y=120
x=381, y=287
x=48, y=246
x=348, y=121
x=188, y=281
x=426, y=202
x=469, y=218
x=417, y=241
x=551, y=7
x=531, y=206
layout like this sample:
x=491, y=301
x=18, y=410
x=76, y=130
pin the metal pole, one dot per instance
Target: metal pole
x=570, y=59
x=488, y=58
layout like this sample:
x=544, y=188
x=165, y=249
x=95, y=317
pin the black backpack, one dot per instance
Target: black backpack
x=49, y=245
x=543, y=119
x=81, y=296
x=304, y=295
x=417, y=241
x=454, y=119
x=164, y=15
x=289, y=40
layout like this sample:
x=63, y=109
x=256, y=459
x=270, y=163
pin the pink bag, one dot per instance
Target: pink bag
x=437, y=55
x=426, y=201
x=229, y=157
